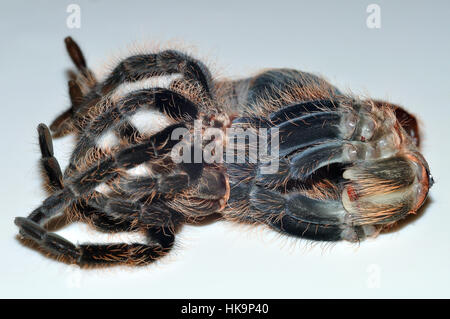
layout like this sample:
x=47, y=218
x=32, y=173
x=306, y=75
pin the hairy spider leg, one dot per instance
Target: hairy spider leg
x=173, y=105
x=140, y=213
x=307, y=130
x=291, y=213
x=303, y=164
x=159, y=242
x=62, y=124
x=77, y=57
x=31, y=227
x=54, y=181
x=99, y=203
x=296, y=110
x=135, y=68
x=50, y=168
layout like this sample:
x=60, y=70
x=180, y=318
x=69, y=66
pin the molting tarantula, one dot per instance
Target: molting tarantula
x=347, y=167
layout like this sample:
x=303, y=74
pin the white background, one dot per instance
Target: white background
x=405, y=62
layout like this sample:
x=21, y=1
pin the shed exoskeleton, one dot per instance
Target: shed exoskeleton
x=347, y=167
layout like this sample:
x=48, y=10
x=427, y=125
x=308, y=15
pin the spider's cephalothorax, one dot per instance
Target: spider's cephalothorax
x=345, y=167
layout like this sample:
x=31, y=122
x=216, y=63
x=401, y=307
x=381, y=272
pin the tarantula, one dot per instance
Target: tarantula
x=347, y=167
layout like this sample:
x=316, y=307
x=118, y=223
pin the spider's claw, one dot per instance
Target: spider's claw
x=75, y=53
x=45, y=141
x=49, y=241
x=30, y=229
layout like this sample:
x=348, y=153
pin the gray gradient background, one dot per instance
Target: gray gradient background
x=406, y=62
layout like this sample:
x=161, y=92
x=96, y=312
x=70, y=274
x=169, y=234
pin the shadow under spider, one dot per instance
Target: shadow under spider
x=60, y=222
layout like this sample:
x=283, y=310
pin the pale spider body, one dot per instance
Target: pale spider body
x=347, y=167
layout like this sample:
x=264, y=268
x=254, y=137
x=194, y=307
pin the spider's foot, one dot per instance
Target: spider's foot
x=51, y=242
